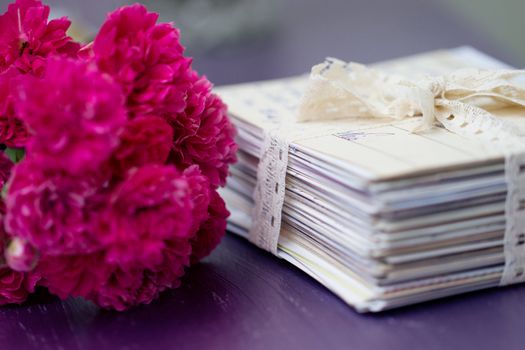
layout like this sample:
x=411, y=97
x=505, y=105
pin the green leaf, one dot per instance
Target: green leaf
x=15, y=154
x=3, y=193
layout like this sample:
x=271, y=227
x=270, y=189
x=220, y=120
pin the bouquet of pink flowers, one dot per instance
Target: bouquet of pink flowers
x=112, y=156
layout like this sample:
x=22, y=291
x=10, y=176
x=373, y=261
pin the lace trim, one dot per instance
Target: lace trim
x=270, y=190
x=514, y=241
x=339, y=90
x=270, y=187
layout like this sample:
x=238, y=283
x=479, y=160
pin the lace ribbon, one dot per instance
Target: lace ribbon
x=514, y=241
x=270, y=188
x=460, y=102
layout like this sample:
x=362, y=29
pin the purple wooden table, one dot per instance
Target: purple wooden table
x=242, y=298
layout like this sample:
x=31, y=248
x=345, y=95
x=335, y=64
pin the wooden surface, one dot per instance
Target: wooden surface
x=242, y=298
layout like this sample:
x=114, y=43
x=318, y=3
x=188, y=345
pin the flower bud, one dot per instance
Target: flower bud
x=21, y=255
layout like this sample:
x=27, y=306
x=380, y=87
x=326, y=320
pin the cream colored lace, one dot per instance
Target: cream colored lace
x=461, y=102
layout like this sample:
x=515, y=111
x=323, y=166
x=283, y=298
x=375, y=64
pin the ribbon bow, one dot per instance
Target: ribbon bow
x=460, y=101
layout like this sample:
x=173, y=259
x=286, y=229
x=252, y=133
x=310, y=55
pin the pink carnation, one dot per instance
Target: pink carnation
x=203, y=134
x=54, y=211
x=143, y=141
x=167, y=193
x=28, y=38
x=13, y=132
x=76, y=275
x=14, y=286
x=132, y=286
x=126, y=288
x=74, y=114
x=129, y=287
x=146, y=228
x=150, y=207
x=107, y=284
x=211, y=231
x=145, y=58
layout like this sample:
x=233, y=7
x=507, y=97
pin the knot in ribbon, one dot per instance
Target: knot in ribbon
x=461, y=101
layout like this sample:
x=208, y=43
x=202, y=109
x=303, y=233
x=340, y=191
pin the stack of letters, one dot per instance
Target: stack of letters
x=382, y=216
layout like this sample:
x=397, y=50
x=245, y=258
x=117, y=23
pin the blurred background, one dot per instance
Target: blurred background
x=242, y=40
